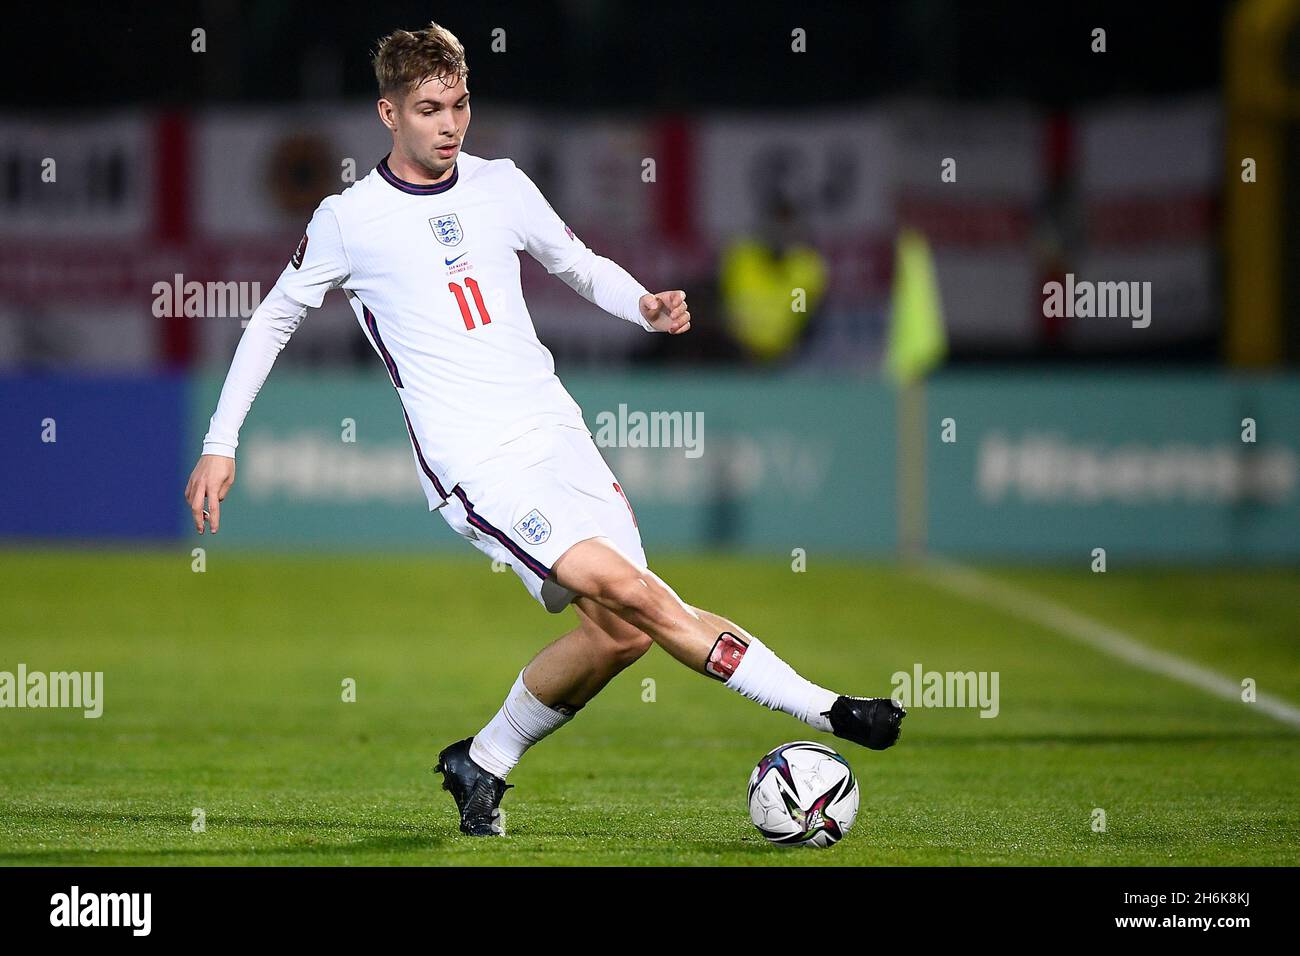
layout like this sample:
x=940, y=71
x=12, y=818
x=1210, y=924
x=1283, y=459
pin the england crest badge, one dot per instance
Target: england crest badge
x=446, y=229
x=534, y=528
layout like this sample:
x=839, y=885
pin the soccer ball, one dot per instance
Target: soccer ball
x=803, y=794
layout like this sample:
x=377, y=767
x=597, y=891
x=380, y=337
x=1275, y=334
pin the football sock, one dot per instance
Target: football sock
x=521, y=722
x=762, y=676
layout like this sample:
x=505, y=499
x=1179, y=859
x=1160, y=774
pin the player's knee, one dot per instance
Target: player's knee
x=613, y=639
x=629, y=647
x=615, y=649
x=637, y=591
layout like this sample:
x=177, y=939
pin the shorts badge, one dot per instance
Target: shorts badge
x=534, y=528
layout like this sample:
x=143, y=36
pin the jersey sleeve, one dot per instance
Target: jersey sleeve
x=267, y=333
x=317, y=265
x=551, y=242
x=320, y=262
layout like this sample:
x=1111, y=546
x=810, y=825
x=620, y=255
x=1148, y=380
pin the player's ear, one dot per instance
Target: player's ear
x=387, y=113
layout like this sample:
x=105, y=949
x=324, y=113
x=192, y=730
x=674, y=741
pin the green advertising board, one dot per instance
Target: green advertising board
x=1146, y=466
x=1016, y=465
x=756, y=463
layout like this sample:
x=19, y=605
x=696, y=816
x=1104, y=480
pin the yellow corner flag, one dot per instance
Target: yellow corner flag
x=917, y=341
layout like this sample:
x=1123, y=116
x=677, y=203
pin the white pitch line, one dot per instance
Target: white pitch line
x=1084, y=630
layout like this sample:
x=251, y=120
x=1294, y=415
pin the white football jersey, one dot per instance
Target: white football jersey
x=432, y=273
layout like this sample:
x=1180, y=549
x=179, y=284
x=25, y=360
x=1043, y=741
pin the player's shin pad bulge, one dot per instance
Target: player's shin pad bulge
x=725, y=656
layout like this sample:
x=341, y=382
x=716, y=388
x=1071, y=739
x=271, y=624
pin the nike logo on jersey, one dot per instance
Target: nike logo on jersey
x=450, y=261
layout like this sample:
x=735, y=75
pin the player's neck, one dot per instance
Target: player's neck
x=414, y=173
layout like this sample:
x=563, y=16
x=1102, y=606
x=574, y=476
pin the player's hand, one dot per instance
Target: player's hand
x=667, y=312
x=210, y=481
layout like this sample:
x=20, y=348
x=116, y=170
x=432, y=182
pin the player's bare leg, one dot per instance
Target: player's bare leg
x=715, y=646
x=573, y=668
x=557, y=682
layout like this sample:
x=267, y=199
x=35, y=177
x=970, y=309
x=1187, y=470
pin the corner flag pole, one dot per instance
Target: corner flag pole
x=917, y=344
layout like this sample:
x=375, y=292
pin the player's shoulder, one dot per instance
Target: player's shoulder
x=358, y=202
x=477, y=169
x=335, y=206
x=355, y=194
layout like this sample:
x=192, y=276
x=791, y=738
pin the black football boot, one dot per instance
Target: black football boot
x=870, y=721
x=477, y=793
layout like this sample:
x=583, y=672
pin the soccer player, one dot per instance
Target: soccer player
x=426, y=248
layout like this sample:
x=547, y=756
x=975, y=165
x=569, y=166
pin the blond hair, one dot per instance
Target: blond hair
x=405, y=59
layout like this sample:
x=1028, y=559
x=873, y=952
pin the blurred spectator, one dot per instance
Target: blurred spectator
x=771, y=287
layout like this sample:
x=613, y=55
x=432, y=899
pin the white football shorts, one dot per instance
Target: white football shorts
x=542, y=493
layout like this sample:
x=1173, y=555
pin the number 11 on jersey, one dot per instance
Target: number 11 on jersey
x=465, y=312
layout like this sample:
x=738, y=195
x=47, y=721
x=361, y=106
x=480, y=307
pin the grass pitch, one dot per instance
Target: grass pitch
x=223, y=692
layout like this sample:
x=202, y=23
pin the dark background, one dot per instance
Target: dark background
x=74, y=55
